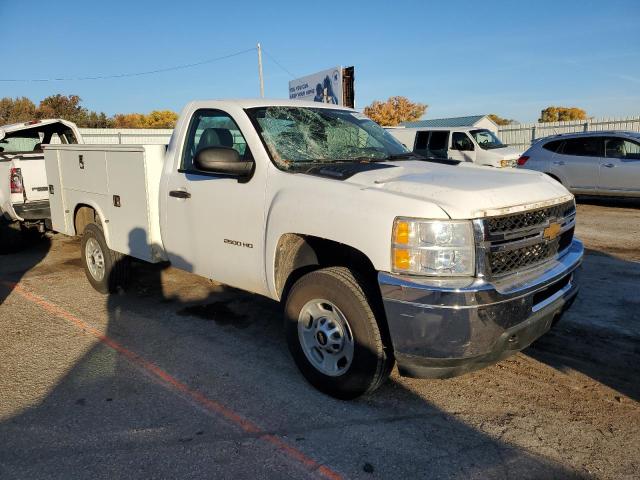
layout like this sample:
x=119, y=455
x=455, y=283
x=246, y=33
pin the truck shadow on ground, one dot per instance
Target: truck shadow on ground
x=109, y=418
x=18, y=257
x=600, y=335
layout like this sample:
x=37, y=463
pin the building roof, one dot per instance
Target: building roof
x=468, y=121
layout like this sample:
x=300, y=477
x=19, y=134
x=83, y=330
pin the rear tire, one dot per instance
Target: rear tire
x=107, y=270
x=333, y=334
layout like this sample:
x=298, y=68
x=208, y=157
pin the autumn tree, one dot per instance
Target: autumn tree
x=561, y=114
x=394, y=111
x=69, y=107
x=129, y=120
x=161, y=119
x=155, y=119
x=501, y=121
x=16, y=110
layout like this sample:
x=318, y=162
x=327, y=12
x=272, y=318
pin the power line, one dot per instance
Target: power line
x=132, y=74
x=278, y=63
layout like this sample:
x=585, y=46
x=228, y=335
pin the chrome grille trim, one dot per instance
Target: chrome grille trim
x=513, y=243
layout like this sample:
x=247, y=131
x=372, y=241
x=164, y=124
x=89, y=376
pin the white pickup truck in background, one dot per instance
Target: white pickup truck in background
x=24, y=193
x=378, y=257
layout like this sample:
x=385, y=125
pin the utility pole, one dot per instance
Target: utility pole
x=260, y=71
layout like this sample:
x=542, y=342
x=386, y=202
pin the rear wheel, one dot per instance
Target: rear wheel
x=333, y=334
x=106, y=270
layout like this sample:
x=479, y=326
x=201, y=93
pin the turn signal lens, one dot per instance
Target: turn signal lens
x=401, y=259
x=401, y=232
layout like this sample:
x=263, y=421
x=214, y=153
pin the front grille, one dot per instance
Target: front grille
x=531, y=218
x=516, y=242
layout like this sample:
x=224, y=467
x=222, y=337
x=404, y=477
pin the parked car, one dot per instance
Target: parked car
x=463, y=144
x=378, y=256
x=592, y=163
x=24, y=192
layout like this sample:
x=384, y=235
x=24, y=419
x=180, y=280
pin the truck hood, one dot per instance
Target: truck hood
x=466, y=191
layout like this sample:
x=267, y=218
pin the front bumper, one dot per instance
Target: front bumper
x=443, y=328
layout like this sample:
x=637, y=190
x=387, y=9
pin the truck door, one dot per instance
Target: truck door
x=462, y=148
x=213, y=224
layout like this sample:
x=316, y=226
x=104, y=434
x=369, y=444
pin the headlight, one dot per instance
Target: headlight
x=433, y=247
x=507, y=163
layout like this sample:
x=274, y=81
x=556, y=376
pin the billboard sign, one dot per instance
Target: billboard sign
x=324, y=86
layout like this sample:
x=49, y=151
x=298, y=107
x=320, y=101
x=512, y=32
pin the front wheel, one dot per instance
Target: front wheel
x=105, y=269
x=333, y=334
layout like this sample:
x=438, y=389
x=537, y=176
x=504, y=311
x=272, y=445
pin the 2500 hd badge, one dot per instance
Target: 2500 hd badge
x=238, y=243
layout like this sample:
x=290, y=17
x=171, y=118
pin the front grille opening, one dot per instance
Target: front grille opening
x=532, y=218
x=565, y=240
x=502, y=263
x=551, y=290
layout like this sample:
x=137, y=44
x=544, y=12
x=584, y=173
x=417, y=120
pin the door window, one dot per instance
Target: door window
x=212, y=128
x=620, y=148
x=460, y=141
x=584, y=147
x=422, y=140
x=438, y=143
x=553, y=146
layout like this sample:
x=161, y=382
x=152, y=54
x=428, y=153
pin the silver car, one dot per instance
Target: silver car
x=590, y=163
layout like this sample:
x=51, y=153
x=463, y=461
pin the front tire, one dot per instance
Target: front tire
x=333, y=334
x=106, y=270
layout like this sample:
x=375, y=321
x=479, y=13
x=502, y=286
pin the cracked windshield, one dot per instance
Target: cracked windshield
x=300, y=138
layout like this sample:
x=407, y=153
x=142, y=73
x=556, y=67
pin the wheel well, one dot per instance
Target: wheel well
x=554, y=177
x=83, y=216
x=298, y=254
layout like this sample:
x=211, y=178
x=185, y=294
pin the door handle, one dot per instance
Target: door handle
x=179, y=194
x=608, y=165
x=560, y=162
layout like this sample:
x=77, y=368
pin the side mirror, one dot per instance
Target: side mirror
x=222, y=160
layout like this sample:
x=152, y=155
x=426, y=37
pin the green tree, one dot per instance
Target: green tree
x=394, y=111
x=561, y=114
x=66, y=107
x=501, y=121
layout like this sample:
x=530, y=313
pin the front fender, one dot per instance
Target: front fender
x=349, y=214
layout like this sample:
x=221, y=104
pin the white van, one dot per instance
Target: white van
x=463, y=144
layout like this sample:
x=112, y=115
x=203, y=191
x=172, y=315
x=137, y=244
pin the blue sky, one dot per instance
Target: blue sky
x=511, y=58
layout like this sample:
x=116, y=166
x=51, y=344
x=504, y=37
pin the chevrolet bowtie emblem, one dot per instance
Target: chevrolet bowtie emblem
x=551, y=231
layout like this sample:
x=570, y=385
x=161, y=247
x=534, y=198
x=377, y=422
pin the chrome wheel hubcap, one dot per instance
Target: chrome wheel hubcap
x=95, y=259
x=325, y=337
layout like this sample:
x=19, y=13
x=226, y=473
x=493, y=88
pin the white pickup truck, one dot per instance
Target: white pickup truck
x=24, y=193
x=377, y=256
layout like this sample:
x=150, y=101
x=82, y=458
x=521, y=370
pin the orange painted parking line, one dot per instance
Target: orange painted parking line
x=168, y=380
